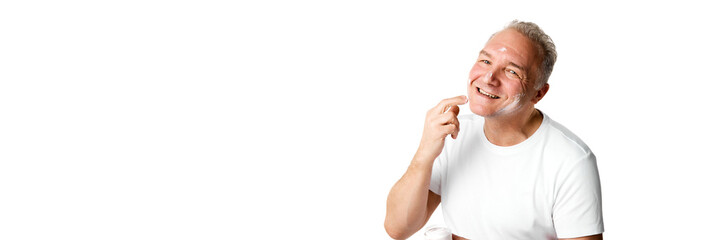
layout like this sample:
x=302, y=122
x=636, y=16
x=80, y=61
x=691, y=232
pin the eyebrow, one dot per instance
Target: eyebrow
x=511, y=63
x=486, y=53
x=519, y=67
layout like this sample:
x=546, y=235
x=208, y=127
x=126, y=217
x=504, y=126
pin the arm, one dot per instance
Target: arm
x=593, y=237
x=410, y=202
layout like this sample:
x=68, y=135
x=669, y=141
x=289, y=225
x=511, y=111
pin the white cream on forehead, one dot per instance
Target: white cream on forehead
x=503, y=49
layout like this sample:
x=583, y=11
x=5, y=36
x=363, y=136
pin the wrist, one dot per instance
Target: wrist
x=423, y=160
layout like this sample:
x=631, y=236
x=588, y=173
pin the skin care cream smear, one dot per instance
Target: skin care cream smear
x=438, y=233
x=514, y=106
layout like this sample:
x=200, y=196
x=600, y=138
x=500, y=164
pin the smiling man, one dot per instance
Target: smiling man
x=507, y=171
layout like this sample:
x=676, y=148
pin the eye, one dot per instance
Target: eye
x=512, y=74
x=485, y=61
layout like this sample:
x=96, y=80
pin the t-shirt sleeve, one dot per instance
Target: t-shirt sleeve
x=577, y=210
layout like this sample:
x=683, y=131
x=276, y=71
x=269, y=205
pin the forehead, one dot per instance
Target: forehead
x=513, y=45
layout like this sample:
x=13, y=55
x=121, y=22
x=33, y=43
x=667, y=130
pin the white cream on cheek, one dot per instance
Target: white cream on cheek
x=512, y=107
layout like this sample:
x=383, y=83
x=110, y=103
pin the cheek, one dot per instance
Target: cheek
x=476, y=71
x=516, y=88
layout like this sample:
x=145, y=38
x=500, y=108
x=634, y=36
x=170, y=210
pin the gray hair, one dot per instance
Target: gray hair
x=544, y=44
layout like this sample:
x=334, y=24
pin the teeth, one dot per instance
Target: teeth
x=488, y=94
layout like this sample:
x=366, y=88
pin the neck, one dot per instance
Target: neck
x=509, y=130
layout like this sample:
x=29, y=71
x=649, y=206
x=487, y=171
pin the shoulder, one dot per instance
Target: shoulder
x=560, y=140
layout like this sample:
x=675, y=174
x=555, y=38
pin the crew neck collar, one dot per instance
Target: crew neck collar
x=517, y=147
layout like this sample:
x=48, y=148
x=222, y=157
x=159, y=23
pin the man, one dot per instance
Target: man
x=507, y=171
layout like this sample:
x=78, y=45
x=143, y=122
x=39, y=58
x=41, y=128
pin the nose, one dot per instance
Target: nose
x=490, y=78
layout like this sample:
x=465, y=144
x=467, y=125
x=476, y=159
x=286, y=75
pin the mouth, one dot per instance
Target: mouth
x=487, y=94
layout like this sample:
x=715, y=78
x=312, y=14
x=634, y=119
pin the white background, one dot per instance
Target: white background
x=282, y=119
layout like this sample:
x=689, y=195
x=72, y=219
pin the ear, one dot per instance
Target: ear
x=540, y=93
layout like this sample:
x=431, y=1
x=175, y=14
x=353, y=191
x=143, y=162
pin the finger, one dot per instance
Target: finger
x=447, y=129
x=448, y=104
x=445, y=104
x=446, y=118
x=457, y=130
x=455, y=110
x=454, y=121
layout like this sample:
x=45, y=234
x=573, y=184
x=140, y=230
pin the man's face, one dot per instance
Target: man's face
x=500, y=82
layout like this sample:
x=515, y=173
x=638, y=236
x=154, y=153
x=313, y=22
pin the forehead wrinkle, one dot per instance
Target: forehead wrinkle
x=484, y=52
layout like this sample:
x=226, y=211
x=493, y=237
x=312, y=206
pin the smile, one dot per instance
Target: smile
x=487, y=94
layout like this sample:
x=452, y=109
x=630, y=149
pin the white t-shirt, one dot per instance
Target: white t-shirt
x=545, y=187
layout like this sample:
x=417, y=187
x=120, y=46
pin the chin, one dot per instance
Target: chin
x=476, y=107
x=480, y=110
